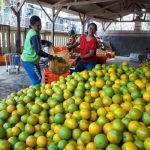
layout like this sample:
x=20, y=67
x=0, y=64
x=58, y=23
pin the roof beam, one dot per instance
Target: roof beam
x=103, y=8
x=81, y=3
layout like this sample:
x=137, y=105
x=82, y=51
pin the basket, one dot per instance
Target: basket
x=49, y=76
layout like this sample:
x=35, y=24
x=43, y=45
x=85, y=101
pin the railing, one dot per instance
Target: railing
x=8, y=38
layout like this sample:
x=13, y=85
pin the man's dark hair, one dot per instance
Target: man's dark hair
x=34, y=19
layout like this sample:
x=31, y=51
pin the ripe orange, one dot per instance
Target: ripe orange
x=91, y=146
x=133, y=125
x=5, y=144
x=31, y=141
x=71, y=123
x=107, y=101
x=140, y=83
x=107, y=127
x=85, y=137
x=147, y=143
x=85, y=114
x=146, y=96
x=118, y=125
x=84, y=125
x=142, y=132
x=85, y=105
x=95, y=128
x=114, y=136
x=117, y=98
x=119, y=113
x=99, y=83
x=135, y=114
x=129, y=146
x=41, y=141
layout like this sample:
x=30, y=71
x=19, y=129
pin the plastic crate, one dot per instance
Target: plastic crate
x=49, y=76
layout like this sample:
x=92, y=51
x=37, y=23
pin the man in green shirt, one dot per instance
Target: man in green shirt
x=33, y=51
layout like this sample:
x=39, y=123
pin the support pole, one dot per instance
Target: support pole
x=18, y=35
x=53, y=25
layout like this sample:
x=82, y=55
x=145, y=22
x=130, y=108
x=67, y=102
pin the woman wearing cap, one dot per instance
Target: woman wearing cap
x=33, y=51
x=88, y=45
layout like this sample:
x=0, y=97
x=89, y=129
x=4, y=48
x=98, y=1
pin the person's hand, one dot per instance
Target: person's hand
x=51, y=57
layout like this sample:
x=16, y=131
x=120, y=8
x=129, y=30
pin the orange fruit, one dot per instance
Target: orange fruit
x=126, y=106
x=41, y=141
x=146, y=118
x=99, y=83
x=84, y=125
x=65, y=133
x=5, y=144
x=109, y=91
x=101, y=111
x=119, y=113
x=70, y=146
x=85, y=137
x=95, y=128
x=100, y=140
x=56, y=138
x=117, y=98
x=62, y=144
x=93, y=116
x=107, y=127
x=142, y=132
x=91, y=146
x=146, y=96
x=112, y=147
x=118, y=125
x=127, y=97
x=85, y=105
x=76, y=133
x=147, y=143
x=129, y=146
x=110, y=116
x=133, y=125
x=127, y=137
x=31, y=141
x=71, y=123
x=114, y=136
x=135, y=114
x=10, y=108
x=107, y=101
x=20, y=145
x=140, y=83
x=85, y=114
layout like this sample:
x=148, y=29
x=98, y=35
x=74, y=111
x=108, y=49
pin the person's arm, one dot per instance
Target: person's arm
x=73, y=46
x=37, y=46
x=89, y=55
x=45, y=42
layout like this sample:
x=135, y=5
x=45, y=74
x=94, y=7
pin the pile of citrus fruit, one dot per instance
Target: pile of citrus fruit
x=107, y=108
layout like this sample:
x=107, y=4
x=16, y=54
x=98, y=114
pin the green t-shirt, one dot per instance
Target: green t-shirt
x=29, y=53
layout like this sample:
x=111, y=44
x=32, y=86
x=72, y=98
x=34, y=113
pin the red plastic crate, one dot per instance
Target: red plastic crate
x=49, y=76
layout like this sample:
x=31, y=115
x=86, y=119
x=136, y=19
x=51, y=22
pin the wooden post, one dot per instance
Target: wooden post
x=18, y=34
x=53, y=25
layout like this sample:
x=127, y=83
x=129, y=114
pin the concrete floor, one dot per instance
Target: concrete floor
x=15, y=82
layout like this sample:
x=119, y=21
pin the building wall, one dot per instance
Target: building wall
x=125, y=43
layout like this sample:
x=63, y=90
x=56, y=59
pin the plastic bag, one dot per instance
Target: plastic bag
x=57, y=67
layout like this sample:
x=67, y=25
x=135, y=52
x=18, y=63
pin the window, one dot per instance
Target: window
x=146, y=25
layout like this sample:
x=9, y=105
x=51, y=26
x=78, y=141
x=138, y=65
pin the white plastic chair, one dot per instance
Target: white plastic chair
x=12, y=61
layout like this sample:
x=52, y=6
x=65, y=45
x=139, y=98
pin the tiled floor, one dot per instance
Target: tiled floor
x=15, y=82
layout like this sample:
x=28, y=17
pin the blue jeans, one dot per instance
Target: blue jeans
x=81, y=65
x=33, y=71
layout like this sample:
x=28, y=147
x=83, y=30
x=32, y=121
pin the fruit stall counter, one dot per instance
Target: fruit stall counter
x=106, y=108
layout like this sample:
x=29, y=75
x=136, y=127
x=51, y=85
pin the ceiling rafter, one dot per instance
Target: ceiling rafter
x=81, y=3
x=103, y=8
